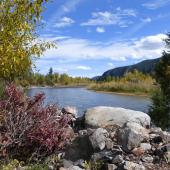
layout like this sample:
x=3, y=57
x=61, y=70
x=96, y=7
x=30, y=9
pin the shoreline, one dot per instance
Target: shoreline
x=60, y=86
x=122, y=93
x=97, y=91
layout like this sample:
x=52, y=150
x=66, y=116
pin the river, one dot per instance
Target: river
x=82, y=99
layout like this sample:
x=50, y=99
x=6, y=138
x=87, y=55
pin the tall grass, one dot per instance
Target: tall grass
x=136, y=83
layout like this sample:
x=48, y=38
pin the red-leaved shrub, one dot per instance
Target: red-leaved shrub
x=30, y=127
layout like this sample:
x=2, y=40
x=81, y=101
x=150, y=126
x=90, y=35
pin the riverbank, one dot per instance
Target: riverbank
x=57, y=86
x=123, y=93
x=124, y=88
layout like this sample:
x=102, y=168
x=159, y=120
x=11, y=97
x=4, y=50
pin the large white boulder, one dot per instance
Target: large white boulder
x=102, y=116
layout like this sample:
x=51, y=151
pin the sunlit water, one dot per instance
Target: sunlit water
x=82, y=99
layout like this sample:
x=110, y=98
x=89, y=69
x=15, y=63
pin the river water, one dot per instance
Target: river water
x=82, y=99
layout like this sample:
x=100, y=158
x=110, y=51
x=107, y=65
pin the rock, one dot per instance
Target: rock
x=131, y=137
x=97, y=156
x=118, y=159
x=68, y=131
x=148, y=159
x=145, y=146
x=67, y=163
x=109, y=143
x=81, y=148
x=156, y=130
x=133, y=166
x=167, y=155
x=103, y=155
x=157, y=139
x=138, y=128
x=82, y=132
x=98, y=138
x=112, y=135
x=79, y=123
x=61, y=168
x=161, y=151
x=90, y=131
x=138, y=151
x=111, y=167
x=71, y=110
x=165, y=136
x=102, y=116
x=79, y=163
x=74, y=168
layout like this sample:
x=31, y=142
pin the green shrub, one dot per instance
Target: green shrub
x=159, y=111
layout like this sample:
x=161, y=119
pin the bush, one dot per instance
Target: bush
x=159, y=111
x=30, y=129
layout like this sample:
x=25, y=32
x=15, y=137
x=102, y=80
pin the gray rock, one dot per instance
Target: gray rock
x=165, y=136
x=67, y=163
x=165, y=148
x=90, y=131
x=156, y=130
x=97, y=156
x=111, y=167
x=80, y=148
x=74, y=168
x=132, y=135
x=118, y=159
x=109, y=143
x=139, y=129
x=102, y=155
x=68, y=131
x=83, y=132
x=146, y=146
x=133, y=166
x=71, y=110
x=79, y=162
x=62, y=168
x=148, y=159
x=98, y=138
x=167, y=155
x=102, y=116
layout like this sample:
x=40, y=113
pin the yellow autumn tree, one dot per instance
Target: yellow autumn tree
x=19, y=42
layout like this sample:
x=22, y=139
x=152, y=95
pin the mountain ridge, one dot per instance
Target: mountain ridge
x=145, y=66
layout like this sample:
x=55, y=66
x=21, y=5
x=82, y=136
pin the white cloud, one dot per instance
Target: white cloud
x=83, y=68
x=120, y=18
x=147, y=20
x=155, y=4
x=78, y=49
x=63, y=22
x=110, y=64
x=100, y=30
x=67, y=7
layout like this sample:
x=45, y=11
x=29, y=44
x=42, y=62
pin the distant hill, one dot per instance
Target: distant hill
x=146, y=67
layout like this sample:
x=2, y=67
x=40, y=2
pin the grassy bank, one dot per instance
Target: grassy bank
x=123, y=88
x=133, y=84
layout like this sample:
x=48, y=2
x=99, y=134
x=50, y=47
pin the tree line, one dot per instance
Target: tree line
x=52, y=79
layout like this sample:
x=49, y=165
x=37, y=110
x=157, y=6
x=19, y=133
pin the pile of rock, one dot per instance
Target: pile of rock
x=117, y=138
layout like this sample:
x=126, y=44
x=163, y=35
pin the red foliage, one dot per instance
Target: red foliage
x=26, y=122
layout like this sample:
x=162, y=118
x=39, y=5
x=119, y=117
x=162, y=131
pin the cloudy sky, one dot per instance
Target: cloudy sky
x=96, y=35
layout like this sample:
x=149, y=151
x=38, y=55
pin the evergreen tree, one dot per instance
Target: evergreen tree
x=160, y=110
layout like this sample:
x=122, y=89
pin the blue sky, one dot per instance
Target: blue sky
x=96, y=35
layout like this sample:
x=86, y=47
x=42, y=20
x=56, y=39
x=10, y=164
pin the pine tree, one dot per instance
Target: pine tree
x=160, y=110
